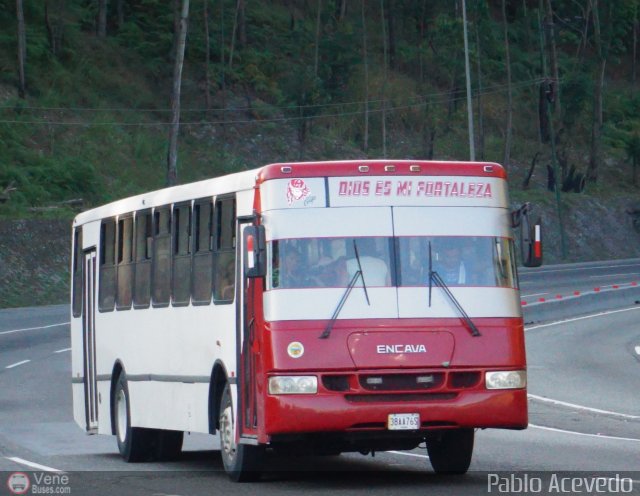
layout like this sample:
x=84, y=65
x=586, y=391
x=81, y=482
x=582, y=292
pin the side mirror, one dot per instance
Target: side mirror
x=530, y=236
x=254, y=251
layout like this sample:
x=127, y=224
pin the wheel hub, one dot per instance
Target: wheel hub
x=121, y=415
x=227, y=434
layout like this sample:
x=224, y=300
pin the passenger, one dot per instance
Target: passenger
x=449, y=265
x=294, y=273
x=374, y=268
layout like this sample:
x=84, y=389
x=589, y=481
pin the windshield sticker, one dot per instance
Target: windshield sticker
x=464, y=189
x=296, y=190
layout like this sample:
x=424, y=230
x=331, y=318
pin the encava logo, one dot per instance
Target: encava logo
x=401, y=348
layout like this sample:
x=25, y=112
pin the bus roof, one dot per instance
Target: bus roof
x=246, y=180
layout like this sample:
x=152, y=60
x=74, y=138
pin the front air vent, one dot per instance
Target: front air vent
x=462, y=380
x=336, y=382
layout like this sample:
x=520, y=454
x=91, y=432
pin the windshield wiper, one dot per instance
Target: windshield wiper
x=435, y=277
x=359, y=274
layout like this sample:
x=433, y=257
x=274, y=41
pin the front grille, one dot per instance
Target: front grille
x=401, y=382
x=389, y=398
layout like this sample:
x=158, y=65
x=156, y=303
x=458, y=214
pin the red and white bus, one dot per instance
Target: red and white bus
x=329, y=306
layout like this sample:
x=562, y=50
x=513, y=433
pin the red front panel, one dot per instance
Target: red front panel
x=431, y=367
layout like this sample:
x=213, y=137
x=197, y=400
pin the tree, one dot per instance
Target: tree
x=172, y=158
x=207, y=55
x=385, y=65
x=365, y=145
x=596, y=123
x=102, y=18
x=507, y=141
x=55, y=24
x=22, y=50
x=632, y=147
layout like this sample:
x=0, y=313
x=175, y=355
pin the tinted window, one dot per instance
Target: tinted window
x=143, y=253
x=225, y=254
x=125, y=263
x=181, y=254
x=78, y=262
x=107, y=288
x=162, y=256
x=203, y=248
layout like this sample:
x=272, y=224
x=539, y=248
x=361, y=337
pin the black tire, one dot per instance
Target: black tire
x=168, y=444
x=450, y=451
x=134, y=443
x=241, y=462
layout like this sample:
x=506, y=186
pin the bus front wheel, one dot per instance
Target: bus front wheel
x=133, y=442
x=450, y=451
x=138, y=444
x=241, y=461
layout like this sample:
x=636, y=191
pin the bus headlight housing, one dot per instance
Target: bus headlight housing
x=506, y=379
x=293, y=384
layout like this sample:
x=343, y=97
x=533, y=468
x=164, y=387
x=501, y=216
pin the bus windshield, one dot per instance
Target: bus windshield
x=330, y=262
x=459, y=260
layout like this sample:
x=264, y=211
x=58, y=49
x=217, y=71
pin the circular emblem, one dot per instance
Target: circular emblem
x=18, y=483
x=295, y=349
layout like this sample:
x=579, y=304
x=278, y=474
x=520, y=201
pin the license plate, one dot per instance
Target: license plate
x=403, y=421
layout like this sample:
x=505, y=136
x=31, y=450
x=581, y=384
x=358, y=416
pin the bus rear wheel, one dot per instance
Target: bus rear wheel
x=450, y=451
x=241, y=461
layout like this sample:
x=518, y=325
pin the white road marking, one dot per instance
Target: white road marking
x=614, y=275
x=17, y=364
x=580, y=407
x=408, y=454
x=637, y=350
x=62, y=351
x=34, y=328
x=37, y=466
x=534, y=294
x=581, y=318
x=584, y=434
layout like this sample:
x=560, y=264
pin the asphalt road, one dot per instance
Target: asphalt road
x=549, y=281
x=584, y=379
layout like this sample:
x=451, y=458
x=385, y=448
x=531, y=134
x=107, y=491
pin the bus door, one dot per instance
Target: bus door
x=89, y=339
x=248, y=347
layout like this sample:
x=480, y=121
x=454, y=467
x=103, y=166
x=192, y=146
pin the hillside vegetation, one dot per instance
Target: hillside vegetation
x=86, y=119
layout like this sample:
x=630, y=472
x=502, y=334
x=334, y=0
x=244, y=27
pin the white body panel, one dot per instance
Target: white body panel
x=168, y=353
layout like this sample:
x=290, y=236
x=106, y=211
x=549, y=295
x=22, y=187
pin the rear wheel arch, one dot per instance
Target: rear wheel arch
x=217, y=384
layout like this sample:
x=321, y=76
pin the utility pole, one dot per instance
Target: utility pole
x=472, y=147
x=554, y=160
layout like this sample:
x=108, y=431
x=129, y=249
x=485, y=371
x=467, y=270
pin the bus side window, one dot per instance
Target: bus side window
x=143, y=251
x=107, y=289
x=161, y=256
x=181, y=290
x=78, y=261
x=125, y=263
x=202, y=263
x=225, y=253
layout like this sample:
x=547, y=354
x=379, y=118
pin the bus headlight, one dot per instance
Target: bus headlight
x=293, y=384
x=507, y=379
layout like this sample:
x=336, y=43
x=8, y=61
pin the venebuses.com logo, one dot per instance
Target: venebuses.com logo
x=38, y=483
x=18, y=483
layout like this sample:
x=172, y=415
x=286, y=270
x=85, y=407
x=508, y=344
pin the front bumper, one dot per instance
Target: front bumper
x=345, y=412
